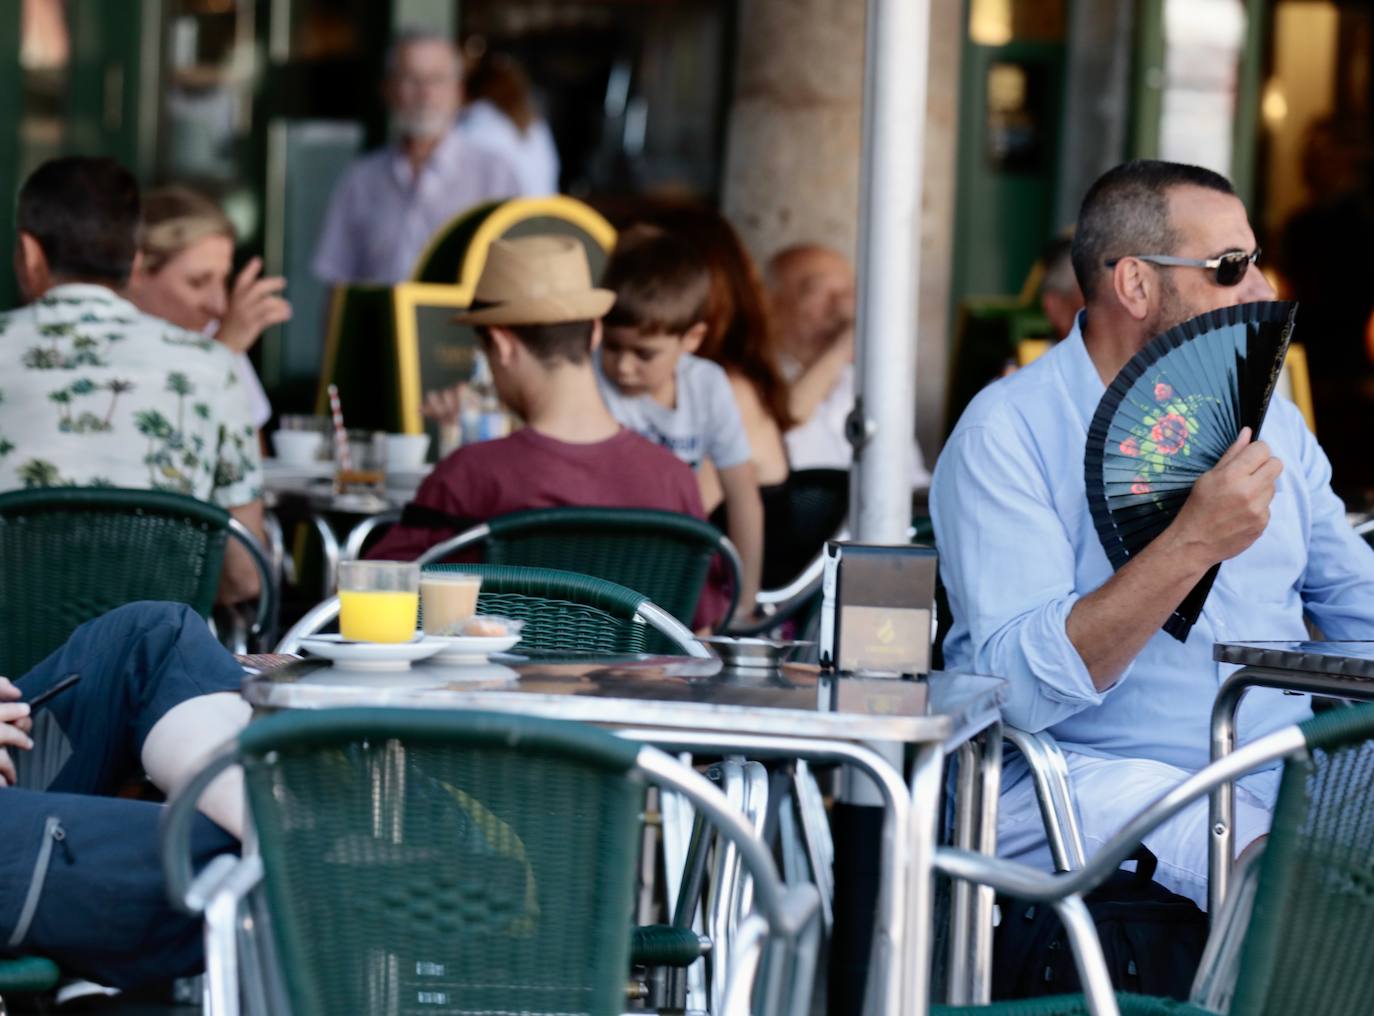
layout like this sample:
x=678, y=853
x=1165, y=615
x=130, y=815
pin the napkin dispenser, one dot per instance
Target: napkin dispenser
x=877, y=609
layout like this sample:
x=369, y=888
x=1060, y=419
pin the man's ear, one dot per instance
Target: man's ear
x=31, y=268
x=693, y=337
x=504, y=345
x=596, y=335
x=1135, y=287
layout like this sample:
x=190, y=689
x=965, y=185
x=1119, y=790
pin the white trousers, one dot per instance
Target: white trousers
x=1110, y=792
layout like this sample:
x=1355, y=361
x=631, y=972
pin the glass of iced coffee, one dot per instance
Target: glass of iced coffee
x=447, y=601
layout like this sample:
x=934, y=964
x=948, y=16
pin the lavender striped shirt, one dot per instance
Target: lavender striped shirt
x=382, y=214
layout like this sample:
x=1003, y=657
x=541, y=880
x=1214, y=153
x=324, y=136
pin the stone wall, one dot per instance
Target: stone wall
x=794, y=143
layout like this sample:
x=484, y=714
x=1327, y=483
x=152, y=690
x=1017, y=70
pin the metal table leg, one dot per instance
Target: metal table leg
x=927, y=777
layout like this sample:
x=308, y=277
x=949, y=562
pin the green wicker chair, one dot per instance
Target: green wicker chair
x=26, y=975
x=564, y=612
x=664, y=555
x=1296, y=938
x=70, y=554
x=445, y=862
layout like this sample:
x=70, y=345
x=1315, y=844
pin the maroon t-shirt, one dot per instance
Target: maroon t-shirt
x=532, y=470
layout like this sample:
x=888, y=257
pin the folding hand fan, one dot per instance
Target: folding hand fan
x=1169, y=416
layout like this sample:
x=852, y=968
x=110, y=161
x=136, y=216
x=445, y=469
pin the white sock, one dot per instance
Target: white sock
x=184, y=739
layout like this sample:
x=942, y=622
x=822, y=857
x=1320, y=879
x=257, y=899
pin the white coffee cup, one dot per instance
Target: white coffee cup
x=298, y=447
x=406, y=452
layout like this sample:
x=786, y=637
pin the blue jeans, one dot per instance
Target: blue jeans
x=81, y=872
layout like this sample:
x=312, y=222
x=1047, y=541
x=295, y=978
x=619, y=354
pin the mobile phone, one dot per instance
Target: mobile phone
x=56, y=689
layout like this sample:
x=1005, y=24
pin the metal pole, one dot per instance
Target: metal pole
x=883, y=420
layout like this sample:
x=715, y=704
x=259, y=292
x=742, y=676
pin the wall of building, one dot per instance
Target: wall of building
x=793, y=151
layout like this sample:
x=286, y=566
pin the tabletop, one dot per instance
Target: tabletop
x=1339, y=659
x=656, y=691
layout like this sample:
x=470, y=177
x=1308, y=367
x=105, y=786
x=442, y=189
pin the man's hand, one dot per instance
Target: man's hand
x=15, y=724
x=1228, y=508
x=444, y=405
x=254, y=306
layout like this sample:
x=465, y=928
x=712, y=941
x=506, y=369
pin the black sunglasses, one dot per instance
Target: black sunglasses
x=1230, y=268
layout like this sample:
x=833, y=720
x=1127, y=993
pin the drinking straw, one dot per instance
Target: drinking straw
x=340, y=434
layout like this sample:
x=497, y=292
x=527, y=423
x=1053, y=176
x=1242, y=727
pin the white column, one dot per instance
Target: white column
x=889, y=265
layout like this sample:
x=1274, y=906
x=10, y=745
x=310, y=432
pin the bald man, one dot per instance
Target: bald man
x=812, y=292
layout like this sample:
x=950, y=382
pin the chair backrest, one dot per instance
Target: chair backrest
x=70, y=554
x=445, y=862
x=1311, y=933
x=566, y=611
x=664, y=555
x=800, y=515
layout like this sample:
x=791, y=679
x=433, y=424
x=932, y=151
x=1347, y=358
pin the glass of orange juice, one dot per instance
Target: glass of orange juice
x=379, y=601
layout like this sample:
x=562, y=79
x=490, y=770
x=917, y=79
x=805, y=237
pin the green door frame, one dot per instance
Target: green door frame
x=105, y=86
x=11, y=103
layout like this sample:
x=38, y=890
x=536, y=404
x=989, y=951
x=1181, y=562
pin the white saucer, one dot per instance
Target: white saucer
x=471, y=648
x=372, y=655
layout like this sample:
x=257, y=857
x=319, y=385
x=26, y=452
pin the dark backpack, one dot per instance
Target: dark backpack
x=1151, y=938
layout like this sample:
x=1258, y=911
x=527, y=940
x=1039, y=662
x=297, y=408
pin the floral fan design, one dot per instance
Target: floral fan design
x=1169, y=416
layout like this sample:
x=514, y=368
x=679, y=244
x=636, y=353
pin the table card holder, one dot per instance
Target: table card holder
x=877, y=609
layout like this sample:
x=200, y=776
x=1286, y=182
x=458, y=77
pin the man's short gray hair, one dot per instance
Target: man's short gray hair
x=1126, y=213
x=409, y=37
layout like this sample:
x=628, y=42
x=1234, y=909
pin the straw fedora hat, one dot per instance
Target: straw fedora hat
x=536, y=280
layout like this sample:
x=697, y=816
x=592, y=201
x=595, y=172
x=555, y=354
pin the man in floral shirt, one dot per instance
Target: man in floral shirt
x=95, y=393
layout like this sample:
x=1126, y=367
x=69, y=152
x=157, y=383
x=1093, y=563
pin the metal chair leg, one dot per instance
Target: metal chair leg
x=820, y=846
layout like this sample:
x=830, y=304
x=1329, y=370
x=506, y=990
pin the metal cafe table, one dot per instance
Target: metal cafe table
x=1342, y=670
x=694, y=705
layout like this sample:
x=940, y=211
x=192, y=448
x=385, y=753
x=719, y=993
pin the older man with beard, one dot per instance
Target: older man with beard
x=1033, y=595
x=390, y=203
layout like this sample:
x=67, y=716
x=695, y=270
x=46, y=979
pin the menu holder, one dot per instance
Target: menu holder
x=877, y=609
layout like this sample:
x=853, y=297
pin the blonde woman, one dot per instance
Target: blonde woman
x=183, y=277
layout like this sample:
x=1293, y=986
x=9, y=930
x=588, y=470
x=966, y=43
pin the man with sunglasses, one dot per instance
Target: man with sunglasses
x=1033, y=595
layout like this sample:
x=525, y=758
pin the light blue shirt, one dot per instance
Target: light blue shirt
x=1018, y=549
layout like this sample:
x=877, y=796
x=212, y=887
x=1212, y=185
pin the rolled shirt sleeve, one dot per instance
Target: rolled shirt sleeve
x=1338, y=583
x=1009, y=567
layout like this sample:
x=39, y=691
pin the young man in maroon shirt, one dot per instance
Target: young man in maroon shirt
x=538, y=320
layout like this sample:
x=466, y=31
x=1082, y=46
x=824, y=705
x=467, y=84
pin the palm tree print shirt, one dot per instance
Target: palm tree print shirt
x=95, y=393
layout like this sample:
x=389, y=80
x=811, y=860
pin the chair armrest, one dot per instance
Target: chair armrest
x=665, y=945
x=1054, y=793
x=1037, y=886
x=1025, y=882
x=269, y=593
x=314, y=619
x=188, y=894
x=467, y=538
x=357, y=536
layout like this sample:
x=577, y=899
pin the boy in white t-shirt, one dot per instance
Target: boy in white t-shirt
x=655, y=386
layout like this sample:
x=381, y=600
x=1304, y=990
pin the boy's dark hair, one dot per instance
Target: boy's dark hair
x=1126, y=212
x=84, y=213
x=661, y=283
x=569, y=341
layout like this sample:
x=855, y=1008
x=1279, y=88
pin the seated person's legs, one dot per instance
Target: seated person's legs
x=156, y=690
x=81, y=882
x=1110, y=792
x=81, y=876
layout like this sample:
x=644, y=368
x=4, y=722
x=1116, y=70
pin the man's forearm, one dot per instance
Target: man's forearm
x=814, y=386
x=1110, y=625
